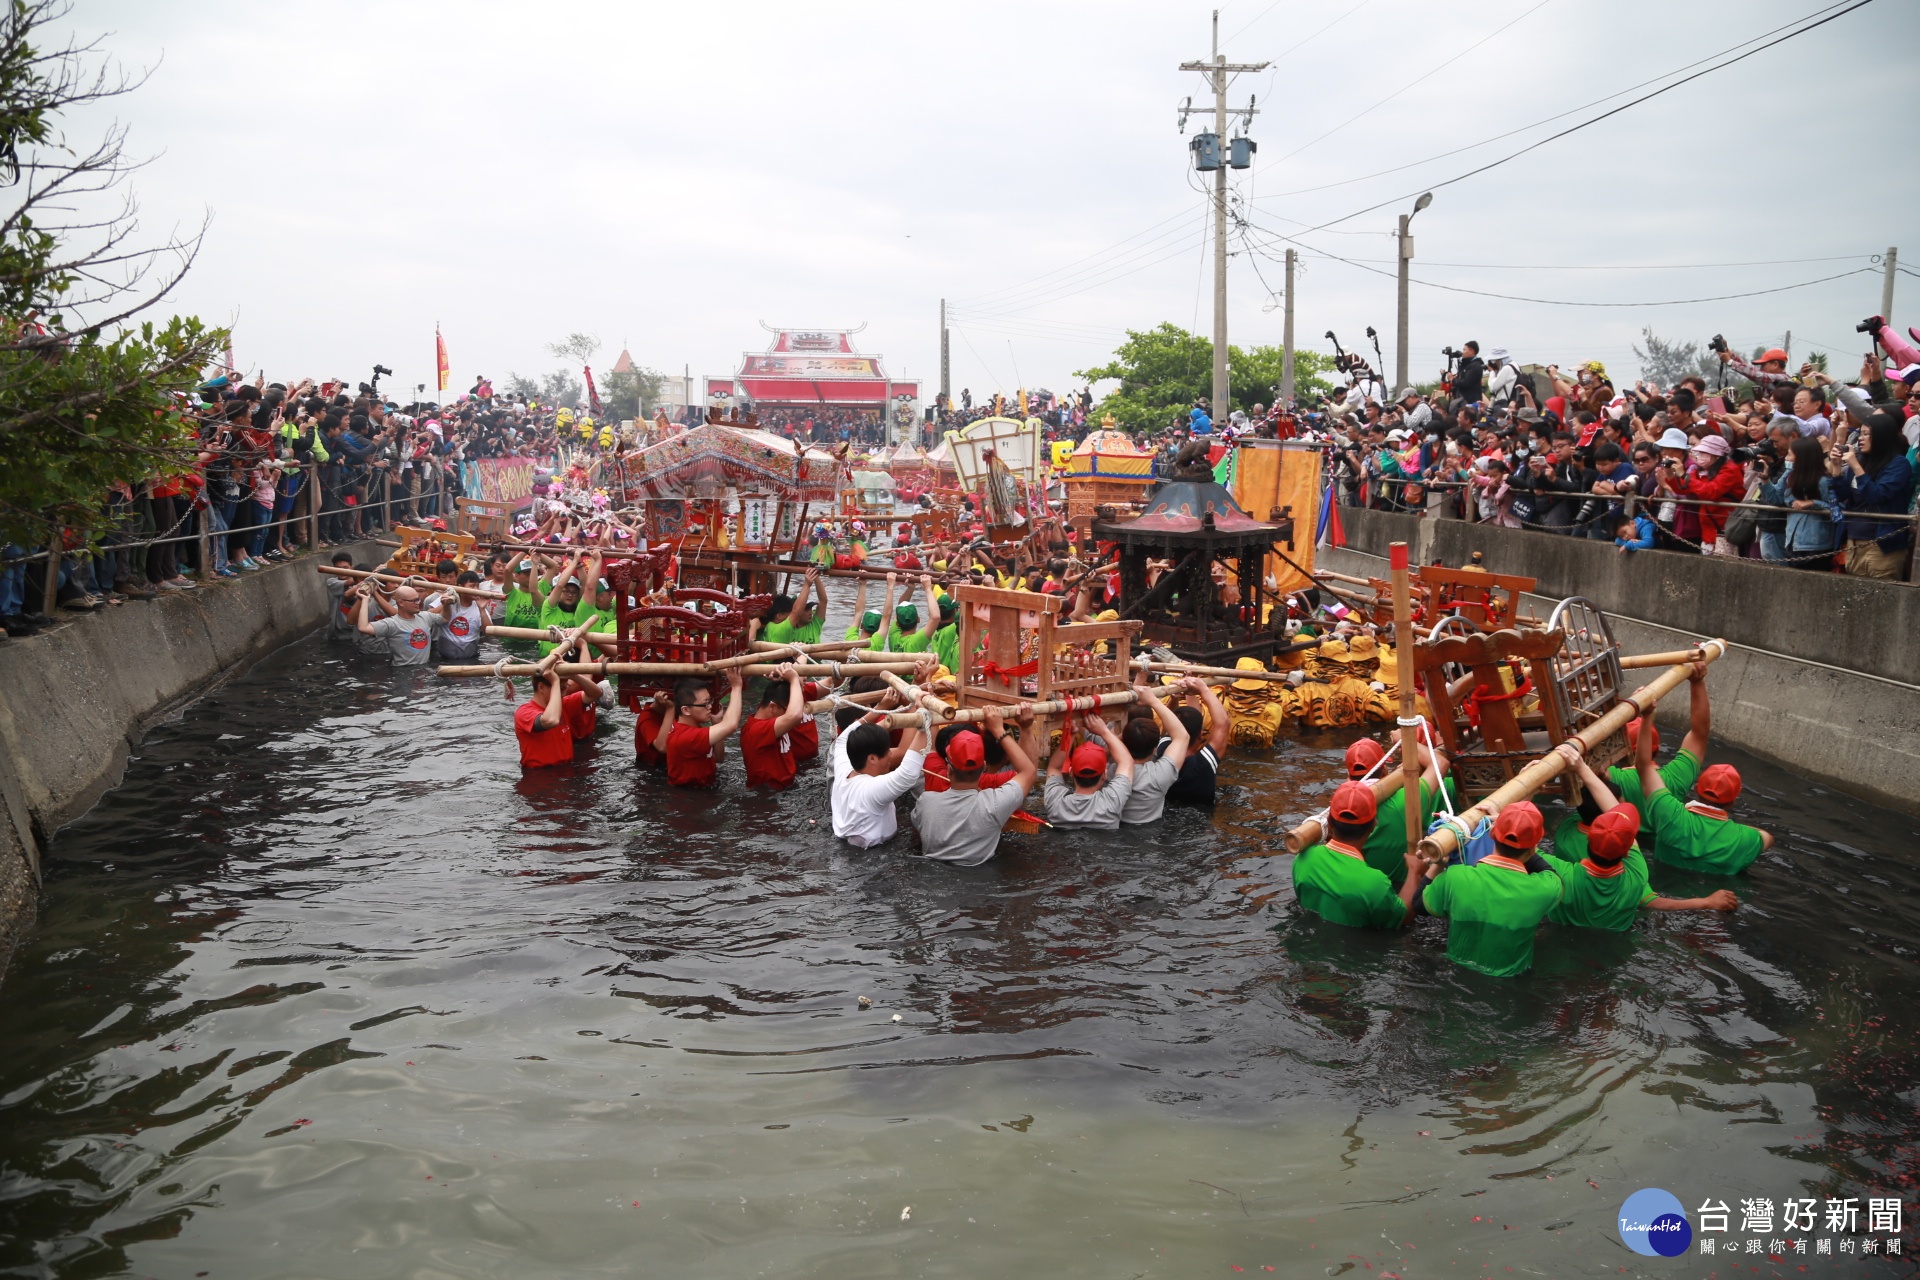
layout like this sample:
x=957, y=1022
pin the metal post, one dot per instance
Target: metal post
x=205, y=523
x=386, y=499
x=1286, y=339
x=1220, y=406
x=1405, y=256
x=49, y=595
x=1886, y=285
x=313, y=506
x=946, y=383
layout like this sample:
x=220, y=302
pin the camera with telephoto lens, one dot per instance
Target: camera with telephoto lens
x=1716, y=343
x=1870, y=325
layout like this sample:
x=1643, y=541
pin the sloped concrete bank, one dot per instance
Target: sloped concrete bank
x=76, y=699
x=1824, y=671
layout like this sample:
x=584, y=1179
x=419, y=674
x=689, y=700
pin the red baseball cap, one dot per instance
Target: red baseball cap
x=1089, y=760
x=1633, y=735
x=1611, y=835
x=966, y=752
x=1352, y=803
x=1773, y=353
x=1362, y=756
x=810, y=690
x=1520, y=825
x=1719, y=784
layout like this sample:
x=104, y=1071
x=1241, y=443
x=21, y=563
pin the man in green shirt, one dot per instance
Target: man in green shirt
x=519, y=609
x=1386, y=844
x=1698, y=835
x=565, y=607
x=909, y=634
x=1605, y=885
x=1679, y=773
x=806, y=614
x=1335, y=881
x=1494, y=906
x=946, y=636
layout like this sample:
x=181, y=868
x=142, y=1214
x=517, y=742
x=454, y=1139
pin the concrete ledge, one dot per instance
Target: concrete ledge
x=74, y=700
x=1824, y=617
x=1856, y=732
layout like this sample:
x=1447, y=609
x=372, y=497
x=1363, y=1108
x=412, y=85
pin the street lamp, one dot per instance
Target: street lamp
x=1405, y=256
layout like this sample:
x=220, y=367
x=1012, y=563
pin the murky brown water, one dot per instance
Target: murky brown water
x=329, y=989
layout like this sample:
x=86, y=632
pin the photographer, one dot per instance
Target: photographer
x=1552, y=480
x=1470, y=377
x=1502, y=377
x=1872, y=477
x=1768, y=372
x=1806, y=540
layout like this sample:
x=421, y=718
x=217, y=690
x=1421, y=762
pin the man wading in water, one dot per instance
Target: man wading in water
x=408, y=632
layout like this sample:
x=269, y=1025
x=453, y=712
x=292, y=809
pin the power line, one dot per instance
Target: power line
x=1500, y=137
x=1557, y=302
x=1411, y=83
x=1025, y=284
x=1645, y=266
x=1625, y=106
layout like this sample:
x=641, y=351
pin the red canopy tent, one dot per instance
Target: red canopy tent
x=818, y=367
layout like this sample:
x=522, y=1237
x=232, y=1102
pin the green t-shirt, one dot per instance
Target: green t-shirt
x=855, y=633
x=1569, y=839
x=1695, y=842
x=553, y=615
x=1600, y=902
x=1679, y=773
x=784, y=632
x=1386, y=844
x=946, y=645
x=1492, y=911
x=908, y=642
x=1339, y=887
x=518, y=610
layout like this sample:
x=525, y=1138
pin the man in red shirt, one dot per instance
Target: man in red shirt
x=766, y=740
x=646, y=727
x=806, y=734
x=692, y=738
x=546, y=724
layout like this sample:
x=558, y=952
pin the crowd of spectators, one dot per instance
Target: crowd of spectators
x=1797, y=468
x=262, y=454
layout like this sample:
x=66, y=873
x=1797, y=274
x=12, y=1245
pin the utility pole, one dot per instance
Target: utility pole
x=1886, y=287
x=946, y=388
x=1404, y=253
x=1216, y=72
x=1286, y=339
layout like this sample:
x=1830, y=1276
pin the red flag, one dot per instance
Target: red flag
x=440, y=356
x=593, y=395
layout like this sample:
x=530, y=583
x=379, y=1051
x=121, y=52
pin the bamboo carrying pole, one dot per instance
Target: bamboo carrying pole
x=1409, y=730
x=675, y=669
x=1051, y=707
x=1636, y=662
x=465, y=593
x=1437, y=847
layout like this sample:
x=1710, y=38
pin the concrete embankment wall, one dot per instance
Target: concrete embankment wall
x=74, y=700
x=1823, y=675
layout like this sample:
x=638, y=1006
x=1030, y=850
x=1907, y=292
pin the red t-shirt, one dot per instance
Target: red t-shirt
x=581, y=716
x=540, y=748
x=806, y=739
x=769, y=756
x=690, y=761
x=645, y=730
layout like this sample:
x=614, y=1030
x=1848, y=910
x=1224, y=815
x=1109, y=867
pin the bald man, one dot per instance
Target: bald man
x=409, y=630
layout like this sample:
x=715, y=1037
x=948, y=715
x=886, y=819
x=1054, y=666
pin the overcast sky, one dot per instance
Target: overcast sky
x=668, y=175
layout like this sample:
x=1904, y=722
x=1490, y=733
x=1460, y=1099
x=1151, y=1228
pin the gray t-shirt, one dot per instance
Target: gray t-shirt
x=1093, y=811
x=409, y=641
x=1148, y=798
x=963, y=827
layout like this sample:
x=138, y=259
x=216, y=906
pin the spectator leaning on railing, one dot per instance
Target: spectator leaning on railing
x=1873, y=477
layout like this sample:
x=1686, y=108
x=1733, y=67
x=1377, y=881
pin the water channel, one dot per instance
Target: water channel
x=328, y=988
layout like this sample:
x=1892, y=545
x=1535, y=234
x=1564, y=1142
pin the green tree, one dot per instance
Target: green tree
x=1162, y=371
x=628, y=394
x=87, y=391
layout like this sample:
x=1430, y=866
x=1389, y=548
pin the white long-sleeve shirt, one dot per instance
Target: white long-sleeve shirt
x=863, y=813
